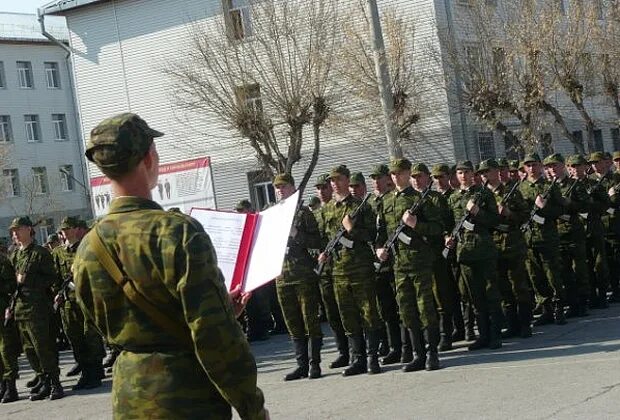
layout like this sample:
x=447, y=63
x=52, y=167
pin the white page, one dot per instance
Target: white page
x=270, y=241
x=225, y=231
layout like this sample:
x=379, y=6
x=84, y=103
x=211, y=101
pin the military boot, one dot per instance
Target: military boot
x=384, y=343
x=56, y=390
x=445, y=342
x=512, y=322
x=525, y=320
x=342, y=343
x=300, y=345
x=110, y=358
x=395, y=343
x=315, y=357
x=39, y=384
x=615, y=295
x=459, y=324
x=495, y=329
x=558, y=313
x=470, y=321
x=2, y=388
x=75, y=370
x=483, y=332
x=419, y=356
x=406, y=355
x=89, y=379
x=373, y=356
x=582, y=307
x=43, y=391
x=10, y=394
x=546, y=316
x=431, y=335
x=602, y=298
x=33, y=382
x=358, y=365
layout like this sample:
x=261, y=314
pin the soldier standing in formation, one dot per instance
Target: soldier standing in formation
x=9, y=341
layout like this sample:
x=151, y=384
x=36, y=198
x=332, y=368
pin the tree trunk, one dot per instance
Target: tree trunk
x=559, y=120
x=589, y=123
x=316, y=129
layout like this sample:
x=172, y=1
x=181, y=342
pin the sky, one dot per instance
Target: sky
x=21, y=6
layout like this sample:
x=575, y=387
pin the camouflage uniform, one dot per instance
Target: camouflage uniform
x=9, y=341
x=171, y=261
x=613, y=240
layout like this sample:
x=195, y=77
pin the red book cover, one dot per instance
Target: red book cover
x=245, y=248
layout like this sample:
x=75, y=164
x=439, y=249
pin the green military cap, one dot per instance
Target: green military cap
x=419, y=168
x=616, y=155
x=596, y=157
x=339, y=170
x=52, y=238
x=283, y=179
x=487, y=164
x=440, y=169
x=379, y=171
x=21, y=221
x=513, y=165
x=575, y=160
x=175, y=210
x=401, y=164
x=69, y=222
x=607, y=155
x=553, y=158
x=357, y=178
x=465, y=165
x=119, y=143
x=530, y=157
x=314, y=201
x=321, y=180
x=243, y=205
x=502, y=163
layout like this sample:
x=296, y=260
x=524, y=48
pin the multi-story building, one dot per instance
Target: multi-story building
x=43, y=174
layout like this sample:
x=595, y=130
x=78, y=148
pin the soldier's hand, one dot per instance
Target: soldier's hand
x=611, y=192
x=382, y=254
x=8, y=314
x=322, y=258
x=59, y=300
x=540, y=202
x=21, y=278
x=503, y=210
x=239, y=299
x=449, y=242
x=472, y=208
x=409, y=219
x=347, y=223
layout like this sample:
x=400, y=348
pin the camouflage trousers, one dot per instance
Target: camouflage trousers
x=386, y=297
x=597, y=262
x=357, y=303
x=480, y=282
x=613, y=262
x=512, y=281
x=331, y=306
x=86, y=344
x=543, y=267
x=9, y=351
x=38, y=345
x=445, y=287
x=300, y=307
x=416, y=302
x=575, y=271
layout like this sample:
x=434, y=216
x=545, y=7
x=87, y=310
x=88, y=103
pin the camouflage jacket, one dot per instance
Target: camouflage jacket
x=356, y=259
x=507, y=234
x=414, y=251
x=570, y=224
x=171, y=261
x=440, y=202
x=298, y=263
x=319, y=216
x=607, y=207
x=63, y=261
x=476, y=242
x=8, y=283
x=36, y=264
x=547, y=231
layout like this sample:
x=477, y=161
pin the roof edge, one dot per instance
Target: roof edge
x=60, y=7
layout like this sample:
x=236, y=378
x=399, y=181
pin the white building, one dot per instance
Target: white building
x=42, y=165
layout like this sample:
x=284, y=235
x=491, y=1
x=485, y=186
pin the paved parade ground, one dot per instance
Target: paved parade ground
x=563, y=372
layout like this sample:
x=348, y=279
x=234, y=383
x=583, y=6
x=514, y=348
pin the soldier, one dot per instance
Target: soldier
x=35, y=276
x=353, y=272
x=357, y=185
x=511, y=273
x=298, y=287
x=86, y=343
x=514, y=169
x=191, y=360
x=413, y=262
x=9, y=341
x=324, y=192
x=476, y=254
x=53, y=241
x=543, y=260
x=613, y=241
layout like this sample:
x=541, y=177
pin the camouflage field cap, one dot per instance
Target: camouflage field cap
x=321, y=180
x=465, y=165
x=487, y=164
x=398, y=165
x=357, y=178
x=530, y=157
x=69, y=222
x=502, y=163
x=119, y=143
x=513, y=165
x=419, y=168
x=554, y=158
x=21, y=221
x=616, y=155
x=283, y=179
x=243, y=205
x=379, y=170
x=440, y=169
x=576, y=160
x=596, y=157
x=339, y=170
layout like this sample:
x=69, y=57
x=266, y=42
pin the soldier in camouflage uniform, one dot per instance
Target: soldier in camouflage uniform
x=324, y=192
x=353, y=272
x=613, y=241
x=86, y=344
x=357, y=185
x=514, y=170
x=9, y=341
x=298, y=287
x=413, y=262
x=511, y=273
x=35, y=275
x=205, y=365
x=476, y=254
x=543, y=259
x=572, y=234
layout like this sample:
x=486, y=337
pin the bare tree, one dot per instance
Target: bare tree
x=265, y=74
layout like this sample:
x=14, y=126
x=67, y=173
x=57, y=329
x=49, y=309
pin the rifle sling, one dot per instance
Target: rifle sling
x=127, y=285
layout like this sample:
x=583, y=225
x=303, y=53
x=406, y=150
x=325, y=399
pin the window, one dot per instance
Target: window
x=561, y=6
x=66, y=177
x=45, y=229
x=578, y=135
x=39, y=178
x=546, y=144
x=615, y=138
x=474, y=58
x=59, y=121
x=6, y=134
x=511, y=147
x=24, y=74
x=598, y=141
x=249, y=97
x=499, y=64
x=2, y=78
x=32, y=128
x=52, y=75
x=11, y=182
x=486, y=145
x=238, y=19
x=262, y=191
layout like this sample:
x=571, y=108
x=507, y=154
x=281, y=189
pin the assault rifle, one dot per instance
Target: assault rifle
x=332, y=245
x=9, y=313
x=63, y=292
x=527, y=225
x=510, y=193
x=454, y=235
x=390, y=244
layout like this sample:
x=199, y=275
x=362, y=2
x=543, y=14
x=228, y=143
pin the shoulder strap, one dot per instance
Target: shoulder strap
x=128, y=287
